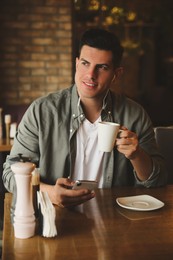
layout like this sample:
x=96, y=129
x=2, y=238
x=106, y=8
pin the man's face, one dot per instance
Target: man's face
x=94, y=72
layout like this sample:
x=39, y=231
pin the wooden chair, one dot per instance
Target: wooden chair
x=164, y=139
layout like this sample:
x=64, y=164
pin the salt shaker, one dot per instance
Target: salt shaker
x=7, y=125
x=24, y=218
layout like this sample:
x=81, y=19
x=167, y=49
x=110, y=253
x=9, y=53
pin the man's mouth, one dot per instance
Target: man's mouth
x=91, y=85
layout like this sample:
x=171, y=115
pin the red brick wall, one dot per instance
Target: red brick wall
x=35, y=48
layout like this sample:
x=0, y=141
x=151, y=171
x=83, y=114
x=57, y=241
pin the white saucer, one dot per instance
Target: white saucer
x=140, y=203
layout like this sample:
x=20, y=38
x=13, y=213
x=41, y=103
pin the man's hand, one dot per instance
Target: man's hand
x=61, y=193
x=127, y=143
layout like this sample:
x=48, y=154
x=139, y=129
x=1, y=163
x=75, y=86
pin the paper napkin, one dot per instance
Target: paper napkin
x=48, y=214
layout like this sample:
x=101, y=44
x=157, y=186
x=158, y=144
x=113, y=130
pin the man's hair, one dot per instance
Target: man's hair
x=103, y=40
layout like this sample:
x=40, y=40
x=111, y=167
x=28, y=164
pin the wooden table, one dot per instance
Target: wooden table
x=5, y=145
x=100, y=229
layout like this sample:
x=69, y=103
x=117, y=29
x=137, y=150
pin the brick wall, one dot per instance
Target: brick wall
x=35, y=48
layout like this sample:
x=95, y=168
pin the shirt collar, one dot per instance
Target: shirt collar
x=77, y=110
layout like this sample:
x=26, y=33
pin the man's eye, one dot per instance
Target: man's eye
x=84, y=62
x=103, y=67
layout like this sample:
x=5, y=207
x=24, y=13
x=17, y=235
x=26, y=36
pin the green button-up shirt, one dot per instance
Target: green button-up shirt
x=48, y=130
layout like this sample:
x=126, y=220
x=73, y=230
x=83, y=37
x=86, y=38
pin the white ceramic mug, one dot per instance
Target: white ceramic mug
x=107, y=133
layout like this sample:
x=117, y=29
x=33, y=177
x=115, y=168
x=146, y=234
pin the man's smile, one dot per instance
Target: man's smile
x=90, y=84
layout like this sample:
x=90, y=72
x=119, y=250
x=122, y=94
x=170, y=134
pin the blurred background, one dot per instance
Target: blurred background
x=39, y=44
x=39, y=40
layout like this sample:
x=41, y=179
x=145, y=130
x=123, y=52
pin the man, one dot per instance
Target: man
x=61, y=130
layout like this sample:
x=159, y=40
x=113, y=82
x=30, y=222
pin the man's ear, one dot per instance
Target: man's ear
x=118, y=73
x=77, y=60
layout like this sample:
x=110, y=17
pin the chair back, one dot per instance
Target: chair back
x=164, y=139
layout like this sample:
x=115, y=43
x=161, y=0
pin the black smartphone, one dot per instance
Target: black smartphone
x=85, y=184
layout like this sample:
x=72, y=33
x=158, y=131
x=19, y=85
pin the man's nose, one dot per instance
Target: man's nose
x=92, y=73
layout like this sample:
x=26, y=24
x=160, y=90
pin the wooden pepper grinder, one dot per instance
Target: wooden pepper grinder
x=24, y=219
